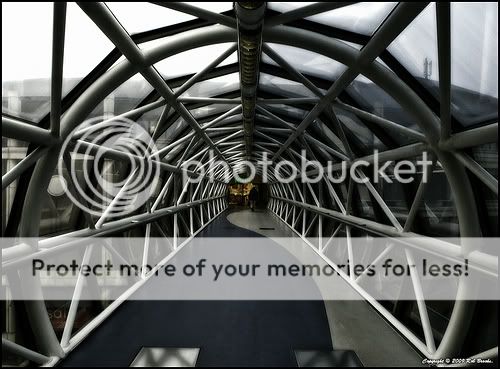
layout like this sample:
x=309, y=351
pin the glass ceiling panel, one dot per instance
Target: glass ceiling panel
x=359, y=131
x=84, y=47
x=284, y=7
x=26, y=59
x=215, y=86
x=306, y=61
x=416, y=49
x=156, y=16
x=283, y=87
x=211, y=110
x=286, y=110
x=170, y=133
x=474, y=56
x=152, y=16
x=321, y=132
x=373, y=99
x=474, y=37
x=149, y=119
x=361, y=18
x=194, y=60
x=126, y=97
x=215, y=6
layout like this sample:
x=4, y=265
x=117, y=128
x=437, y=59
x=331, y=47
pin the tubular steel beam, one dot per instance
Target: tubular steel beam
x=18, y=254
x=200, y=13
x=13, y=128
x=58, y=33
x=106, y=21
x=382, y=122
x=472, y=137
x=397, y=21
x=466, y=209
x=444, y=56
x=250, y=18
x=481, y=261
x=191, y=81
x=138, y=111
x=24, y=352
x=20, y=167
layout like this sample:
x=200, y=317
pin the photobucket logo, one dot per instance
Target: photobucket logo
x=112, y=167
x=310, y=171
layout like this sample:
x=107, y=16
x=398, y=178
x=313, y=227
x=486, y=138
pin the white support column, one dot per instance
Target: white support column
x=145, y=251
x=75, y=300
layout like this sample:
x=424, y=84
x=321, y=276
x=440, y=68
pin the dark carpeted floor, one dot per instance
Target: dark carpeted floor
x=229, y=333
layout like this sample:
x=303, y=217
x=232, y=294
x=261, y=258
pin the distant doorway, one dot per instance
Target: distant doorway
x=239, y=195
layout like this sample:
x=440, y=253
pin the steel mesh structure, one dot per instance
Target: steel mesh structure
x=337, y=80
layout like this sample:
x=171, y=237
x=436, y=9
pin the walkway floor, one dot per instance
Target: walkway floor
x=228, y=333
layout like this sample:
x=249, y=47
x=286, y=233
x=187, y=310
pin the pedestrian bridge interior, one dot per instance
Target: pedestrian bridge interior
x=327, y=82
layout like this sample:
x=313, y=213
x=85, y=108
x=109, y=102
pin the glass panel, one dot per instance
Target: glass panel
x=416, y=49
x=490, y=229
x=394, y=197
x=151, y=16
x=437, y=214
x=215, y=86
x=373, y=99
x=283, y=87
x=487, y=156
x=288, y=111
x=284, y=7
x=361, y=18
x=126, y=97
x=358, y=132
x=149, y=120
x=474, y=73
x=362, y=202
x=211, y=110
x=193, y=61
x=27, y=59
x=306, y=61
x=474, y=76
x=321, y=132
x=156, y=16
x=166, y=137
x=13, y=151
x=216, y=6
x=84, y=47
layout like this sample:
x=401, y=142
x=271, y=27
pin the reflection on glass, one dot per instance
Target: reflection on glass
x=361, y=18
x=283, y=87
x=487, y=156
x=416, y=47
x=372, y=98
x=151, y=16
x=215, y=86
x=306, y=61
x=474, y=58
x=193, y=60
x=437, y=213
x=358, y=132
x=289, y=112
x=124, y=98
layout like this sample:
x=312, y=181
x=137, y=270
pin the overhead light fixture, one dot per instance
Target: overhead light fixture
x=250, y=16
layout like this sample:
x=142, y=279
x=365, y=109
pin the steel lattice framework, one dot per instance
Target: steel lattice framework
x=321, y=211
